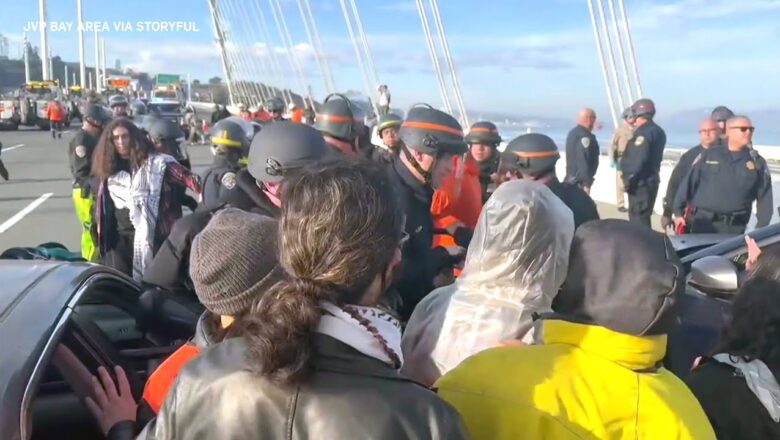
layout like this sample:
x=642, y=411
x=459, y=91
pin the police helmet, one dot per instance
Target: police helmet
x=644, y=107
x=483, y=132
x=165, y=130
x=275, y=105
x=532, y=153
x=94, y=113
x=432, y=131
x=722, y=113
x=117, y=100
x=339, y=117
x=229, y=134
x=138, y=108
x=387, y=121
x=284, y=147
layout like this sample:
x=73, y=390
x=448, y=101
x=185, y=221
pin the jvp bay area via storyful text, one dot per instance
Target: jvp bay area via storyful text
x=115, y=26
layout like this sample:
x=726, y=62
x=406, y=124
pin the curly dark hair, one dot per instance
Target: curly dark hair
x=104, y=162
x=754, y=330
x=340, y=227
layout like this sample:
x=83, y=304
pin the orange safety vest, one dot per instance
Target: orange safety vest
x=55, y=112
x=458, y=200
x=297, y=115
x=162, y=379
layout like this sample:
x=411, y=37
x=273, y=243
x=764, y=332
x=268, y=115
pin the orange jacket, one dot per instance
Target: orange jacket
x=458, y=200
x=297, y=115
x=55, y=112
x=162, y=379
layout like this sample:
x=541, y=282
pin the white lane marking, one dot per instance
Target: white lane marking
x=21, y=214
x=13, y=147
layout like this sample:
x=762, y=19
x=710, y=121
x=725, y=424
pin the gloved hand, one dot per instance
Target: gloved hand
x=666, y=222
x=679, y=222
x=456, y=251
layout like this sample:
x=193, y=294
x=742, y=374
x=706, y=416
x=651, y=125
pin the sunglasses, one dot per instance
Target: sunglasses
x=744, y=129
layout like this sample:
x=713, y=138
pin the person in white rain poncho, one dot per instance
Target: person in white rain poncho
x=514, y=267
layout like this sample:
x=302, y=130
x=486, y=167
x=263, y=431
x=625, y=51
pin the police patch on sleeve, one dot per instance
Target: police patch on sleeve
x=585, y=142
x=751, y=165
x=229, y=180
x=639, y=140
x=81, y=151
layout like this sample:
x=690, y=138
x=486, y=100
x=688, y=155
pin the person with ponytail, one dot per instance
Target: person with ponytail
x=320, y=355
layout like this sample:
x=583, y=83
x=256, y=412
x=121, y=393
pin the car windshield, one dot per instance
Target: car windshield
x=171, y=95
x=165, y=108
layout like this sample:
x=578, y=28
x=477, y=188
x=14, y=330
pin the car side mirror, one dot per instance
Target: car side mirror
x=714, y=275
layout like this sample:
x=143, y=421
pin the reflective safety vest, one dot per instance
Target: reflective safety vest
x=55, y=112
x=458, y=200
x=160, y=381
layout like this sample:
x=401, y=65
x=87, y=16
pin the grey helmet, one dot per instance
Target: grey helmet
x=483, y=132
x=281, y=148
x=138, y=108
x=532, y=153
x=722, y=113
x=227, y=134
x=117, y=100
x=432, y=131
x=339, y=117
x=164, y=130
x=644, y=107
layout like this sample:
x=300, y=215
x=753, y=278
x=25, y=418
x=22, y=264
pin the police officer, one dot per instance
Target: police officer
x=167, y=138
x=724, y=183
x=229, y=142
x=138, y=109
x=118, y=105
x=533, y=156
x=708, y=138
x=341, y=124
x=430, y=140
x=483, y=140
x=80, y=150
x=387, y=130
x=641, y=162
x=278, y=151
x=620, y=139
x=275, y=109
x=582, y=151
x=721, y=114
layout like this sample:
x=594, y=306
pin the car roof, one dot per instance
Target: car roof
x=762, y=236
x=33, y=296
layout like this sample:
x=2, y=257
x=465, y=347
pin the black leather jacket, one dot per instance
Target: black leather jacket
x=350, y=395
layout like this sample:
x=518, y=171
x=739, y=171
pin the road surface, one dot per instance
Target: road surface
x=36, y=205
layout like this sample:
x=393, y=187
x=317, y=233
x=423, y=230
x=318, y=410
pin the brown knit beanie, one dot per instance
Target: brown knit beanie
x=234, y=260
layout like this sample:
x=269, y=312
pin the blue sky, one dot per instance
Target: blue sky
x=531, y=57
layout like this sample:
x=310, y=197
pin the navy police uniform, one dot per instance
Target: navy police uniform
x=721, y=188
x=80, y=157
x=582, y=156
x=220, y=179
x=641, y=166
x=679, y=173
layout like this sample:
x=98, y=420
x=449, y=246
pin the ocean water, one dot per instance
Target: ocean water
x=675, y=140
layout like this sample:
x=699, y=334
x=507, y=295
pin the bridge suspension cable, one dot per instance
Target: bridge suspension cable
x=320, y=48
x=603, y=64
x=361, y=64
x=448, y=57
x=315, y=47
x=434, y=56
x=284, y=33
x=275, y=65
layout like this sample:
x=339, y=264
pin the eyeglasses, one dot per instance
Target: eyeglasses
x=744, y=129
